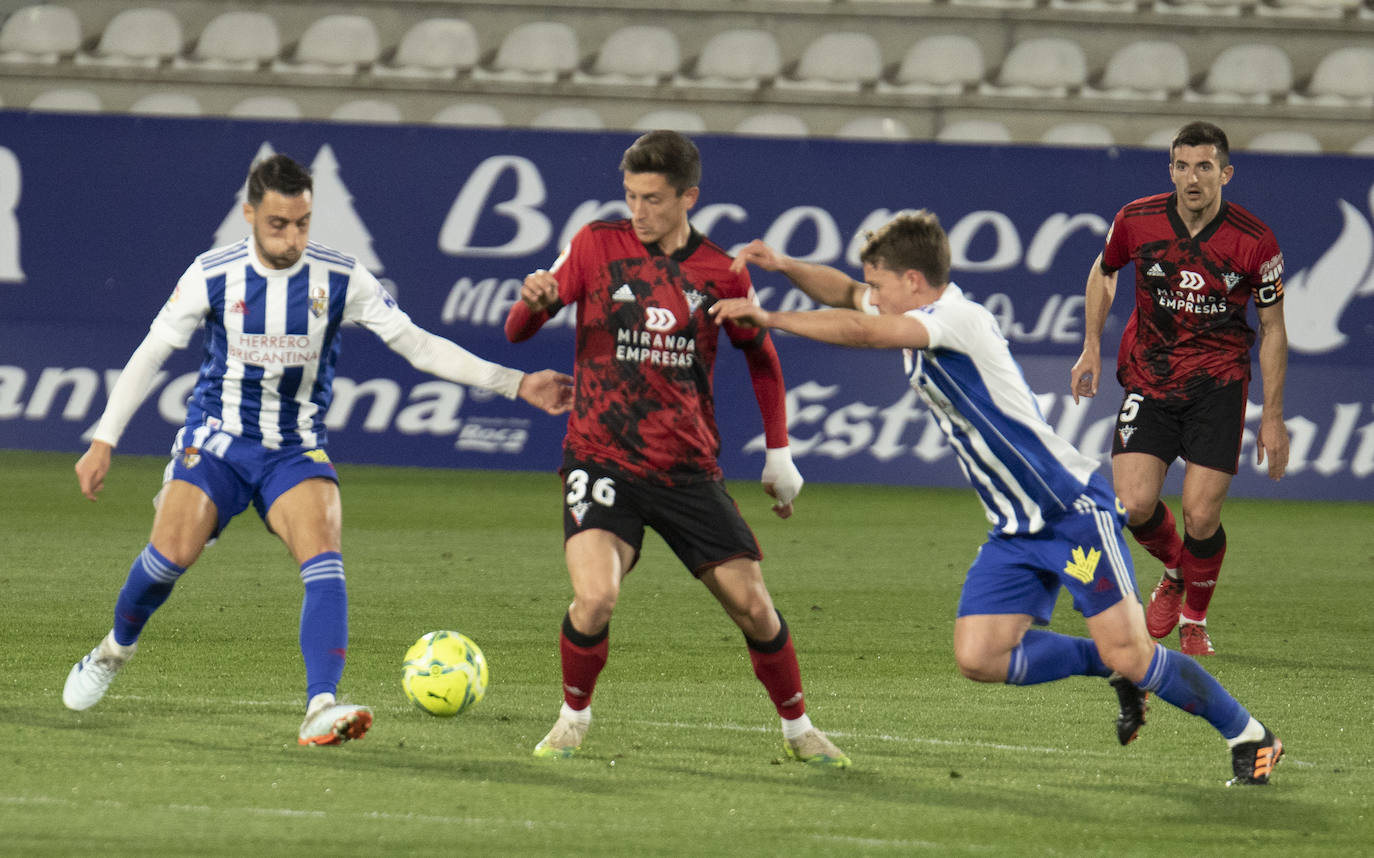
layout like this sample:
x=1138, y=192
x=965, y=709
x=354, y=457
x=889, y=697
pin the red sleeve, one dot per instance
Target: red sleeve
x=1117, y=251
x=765, y=370
x=522, y=322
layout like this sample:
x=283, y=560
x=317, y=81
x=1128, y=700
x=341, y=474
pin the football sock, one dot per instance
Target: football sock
x=1045, y=656
x=775, y=665
x=583, y=657
x=1253, y=732
x=795, y=728
x=150, y=582
x=324, y=622
x=581, y=716
x=1159, y=536
x=1200, y=565
x=1180, y=680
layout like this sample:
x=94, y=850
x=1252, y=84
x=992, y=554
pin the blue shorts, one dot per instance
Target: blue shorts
x=1084, y=551
x=234, y=471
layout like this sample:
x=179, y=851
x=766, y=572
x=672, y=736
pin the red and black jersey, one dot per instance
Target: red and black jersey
x=646, y=347
x=1188, y=332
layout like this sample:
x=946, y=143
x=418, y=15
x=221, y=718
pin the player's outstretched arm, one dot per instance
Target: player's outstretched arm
x=1097, y=300
x=822, y=283
x=538, y=302
x=548, y=390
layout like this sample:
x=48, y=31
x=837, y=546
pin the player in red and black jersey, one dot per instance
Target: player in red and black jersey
x=642, y=444
x=1184, y=365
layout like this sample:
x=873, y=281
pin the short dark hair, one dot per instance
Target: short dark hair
x=666, y=152
x=1203, y=134
x=278, y=173
x=910, y=241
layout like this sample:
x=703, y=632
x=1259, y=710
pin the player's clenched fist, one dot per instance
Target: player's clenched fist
x=539, y=291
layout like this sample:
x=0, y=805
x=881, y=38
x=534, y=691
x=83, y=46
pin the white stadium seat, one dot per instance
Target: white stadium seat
x=836, y=62
x=736, y=59
x=1147, y=69
x=773, y=125
x=373, y=110
x=1160, y=138
x=1078, y=134
x=145, y=37
x=1307, y=8
x=266, y=107
x=1040, y=67
x=1246, y=74
x=938, y=65
x=1284, y=141
x=435, y=48
x=874, y=128
x=569, y=117
x=974, y=131
x=1344, y=77
x=1364, y=146
x=470, y=114
x=536, y=51
x=236, y=41
x=334, y=45
x=167, y=104
x=1210, y=8
x=638, y=55
x=40, y=34
x=683, y=121
x=67, y=101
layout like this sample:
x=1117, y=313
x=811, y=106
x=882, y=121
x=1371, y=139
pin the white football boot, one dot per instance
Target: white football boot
x=330, y=723
x=90, y=677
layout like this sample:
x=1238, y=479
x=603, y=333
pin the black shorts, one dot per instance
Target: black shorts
x=1206, y=431
x=700, y=522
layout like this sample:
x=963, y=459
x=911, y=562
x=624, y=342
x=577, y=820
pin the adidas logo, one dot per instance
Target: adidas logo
x=1155, y=271
x=623, y=294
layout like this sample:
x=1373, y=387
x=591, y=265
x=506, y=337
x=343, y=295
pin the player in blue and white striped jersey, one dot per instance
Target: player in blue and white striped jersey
x=1055, y=521
x=272, y=306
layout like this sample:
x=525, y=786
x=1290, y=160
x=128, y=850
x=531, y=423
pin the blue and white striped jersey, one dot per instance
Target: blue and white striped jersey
x=1023, y=472
x=272, y=337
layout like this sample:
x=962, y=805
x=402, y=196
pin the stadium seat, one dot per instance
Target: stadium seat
x=1160, y=138
x=145, y=37
x=434, y=48
x=67, y=101
x=1283, y=141
x=844, y=62
x=167, y=104
x=469, y=113
x=1155, y=70
x=1041, y=67
x=236, y=41
x=1212, y=8
x=1364, y=146
x=568, y=117
x=684, y=121
x=334, y=45
x=1343, y=77
x=368, y=110
x=637, y=55
x=266, y=107
x=1246, y=74
x=1115, y=7
x=773, y=125
x=874, y=128
x=40, y=34
x=996, y=4
x=974, y=131
x=1307, y=8
x=735, y=59
x=938, y=65
x=1078, y=134
x=535, y=52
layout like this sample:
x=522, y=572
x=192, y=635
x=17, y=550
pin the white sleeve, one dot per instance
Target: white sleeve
x=448, y=360
x=133, y=384
x=368, y=304
x=184, y=310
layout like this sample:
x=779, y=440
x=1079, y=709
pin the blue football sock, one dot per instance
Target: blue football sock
x=1045, y=656
x=1180, y=680
x=324, y=622
x=150, y=582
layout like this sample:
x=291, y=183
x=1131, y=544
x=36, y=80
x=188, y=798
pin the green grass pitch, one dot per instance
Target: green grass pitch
x=194, y=751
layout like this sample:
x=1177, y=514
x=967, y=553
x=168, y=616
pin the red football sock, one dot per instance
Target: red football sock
x=775, y=664
x=582, y=656
x=1159, y=536
x=1200, y=565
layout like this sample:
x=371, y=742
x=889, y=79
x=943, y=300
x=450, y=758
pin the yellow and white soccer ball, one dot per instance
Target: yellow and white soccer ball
x=444, y=673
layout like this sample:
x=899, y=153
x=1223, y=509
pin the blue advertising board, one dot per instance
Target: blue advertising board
x=99, y=216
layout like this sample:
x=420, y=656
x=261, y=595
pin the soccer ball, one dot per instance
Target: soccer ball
x=444, y=673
